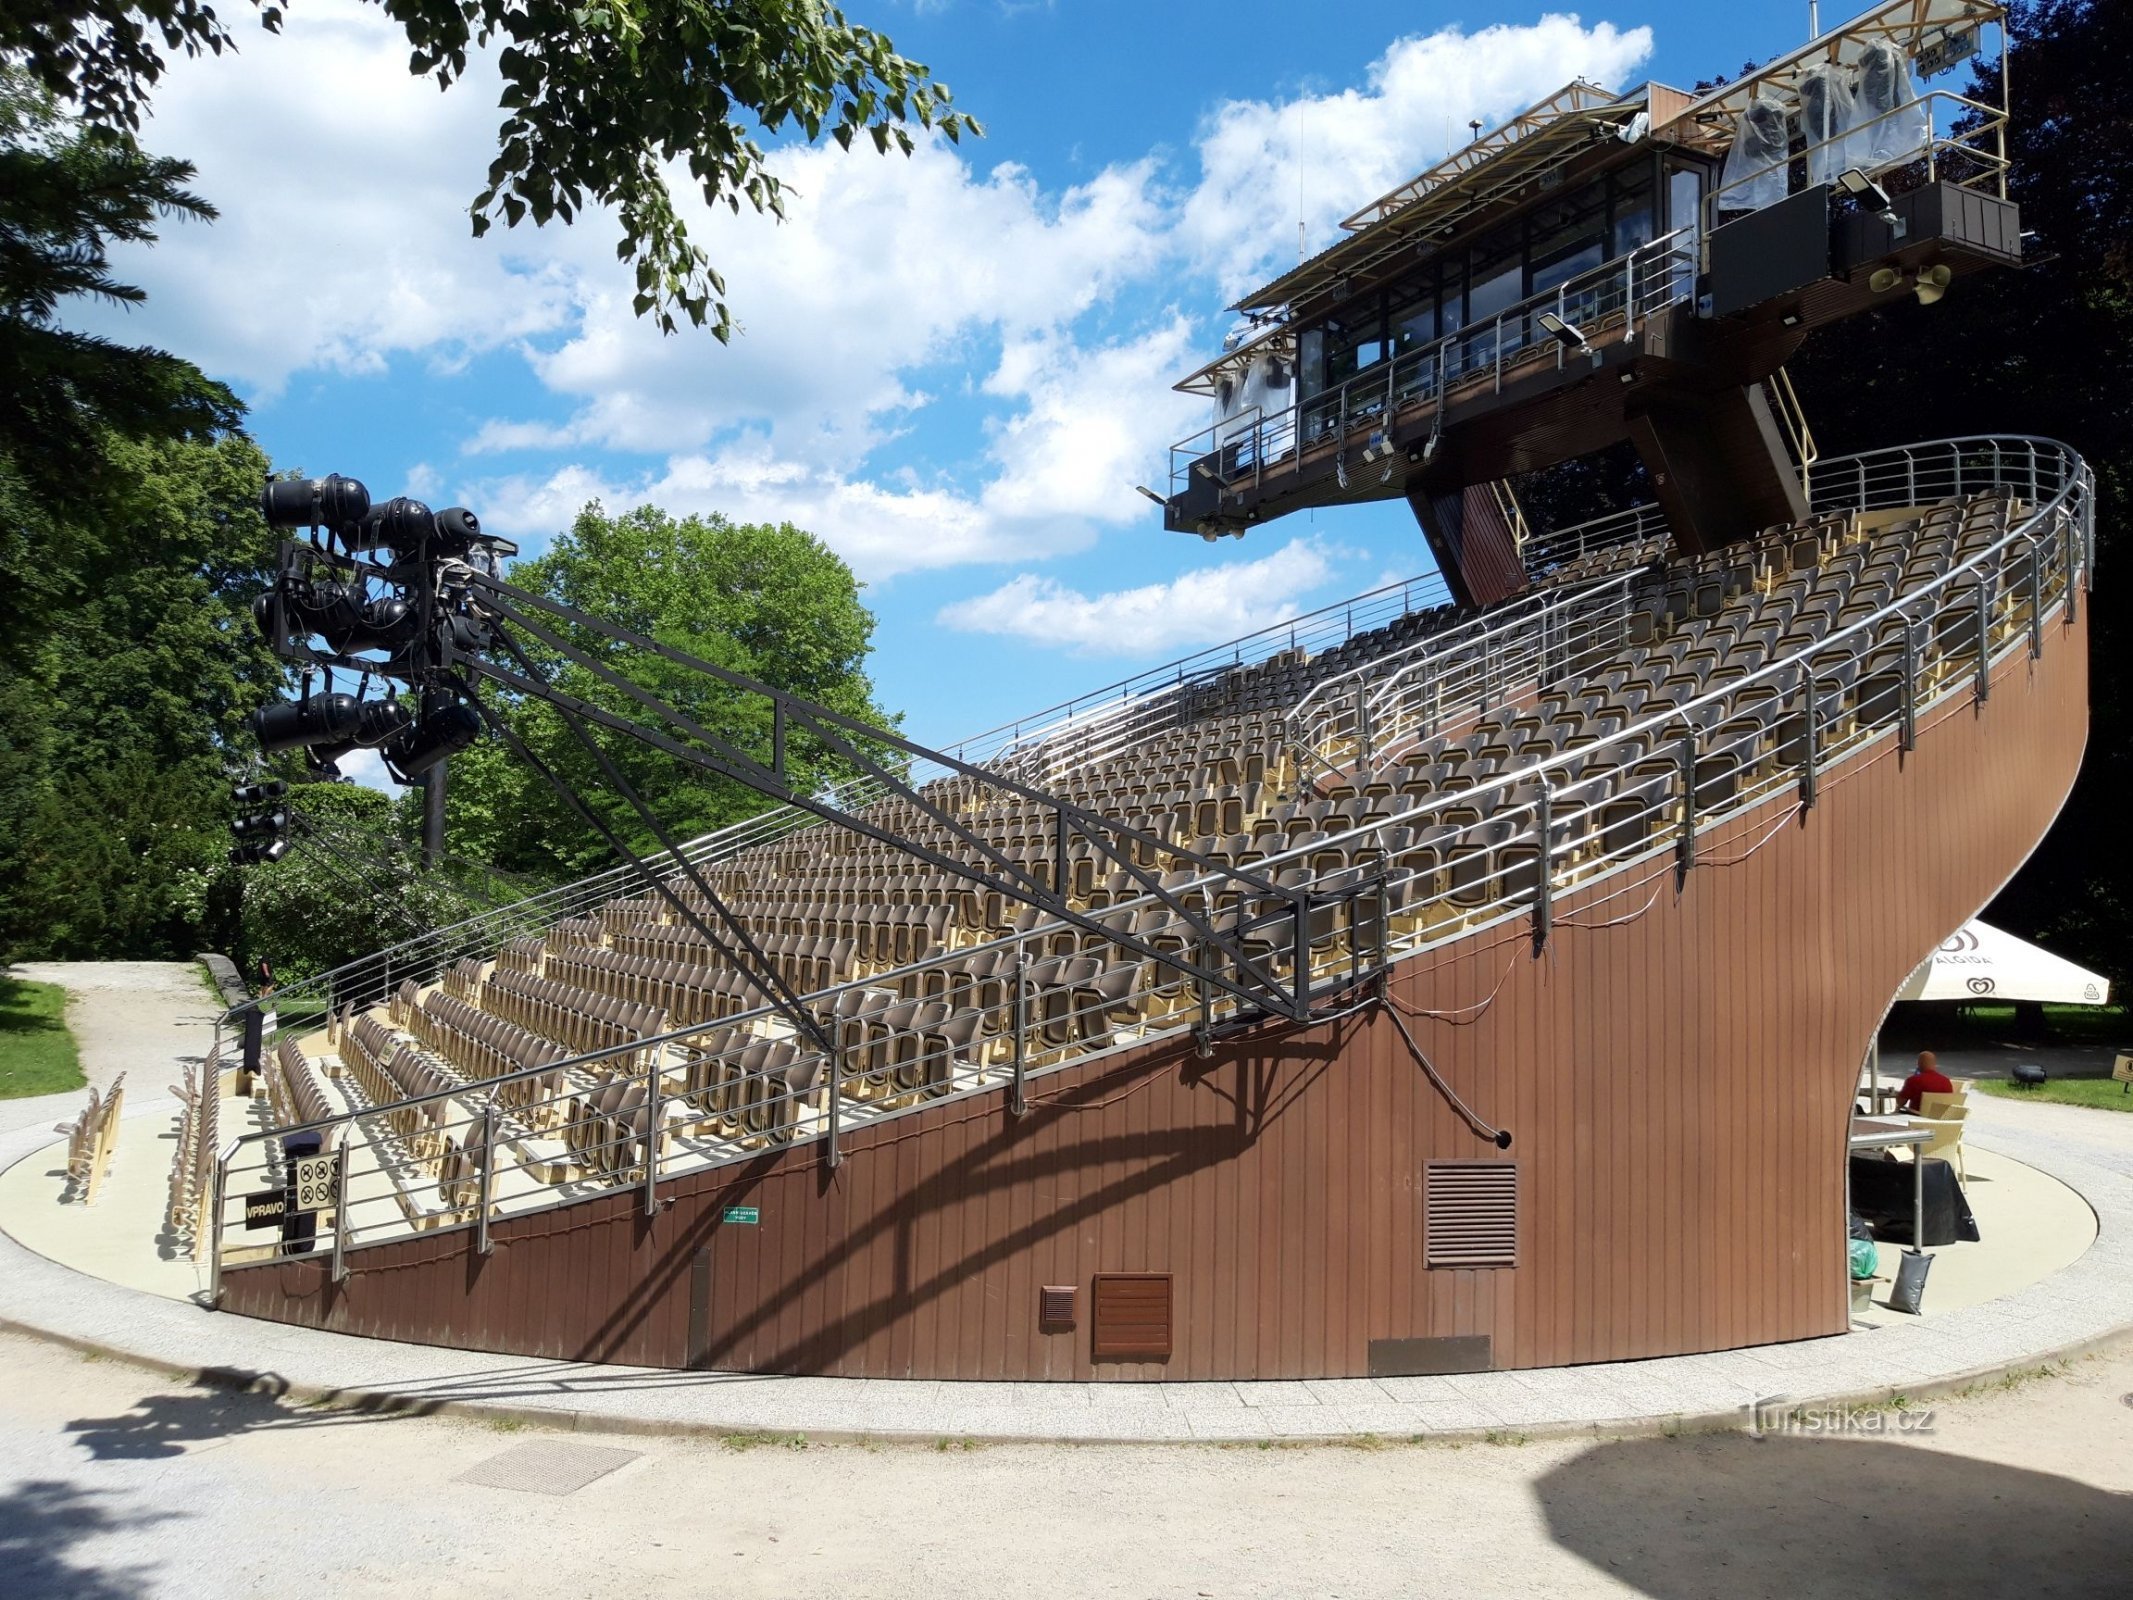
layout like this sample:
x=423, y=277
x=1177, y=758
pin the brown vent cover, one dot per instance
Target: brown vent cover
x=1470, y=1213
x=1130, y=1317
x=1055, y=1306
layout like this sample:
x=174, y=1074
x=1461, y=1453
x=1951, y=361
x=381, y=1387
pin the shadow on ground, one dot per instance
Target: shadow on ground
x=1795, y=1515
x=41, y=1523
x=160, y=1426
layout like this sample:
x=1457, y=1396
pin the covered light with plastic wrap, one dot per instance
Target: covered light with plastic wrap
x=1890, y=124
x=1264, y=387
x=1826, y=115
x=1755, y=173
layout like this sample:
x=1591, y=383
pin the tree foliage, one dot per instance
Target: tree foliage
x=2041, y=351
x=66, y=196
x=353, y=883
x=122, y=724
x=769, y=601
x=601, y=99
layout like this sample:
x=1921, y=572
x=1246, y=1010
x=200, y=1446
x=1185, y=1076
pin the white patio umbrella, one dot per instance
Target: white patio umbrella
x=1980, y=962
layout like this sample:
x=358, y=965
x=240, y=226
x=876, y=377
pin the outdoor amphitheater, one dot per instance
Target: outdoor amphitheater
x=1480, y=974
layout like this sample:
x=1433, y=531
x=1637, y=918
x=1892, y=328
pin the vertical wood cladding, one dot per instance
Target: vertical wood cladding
x=1677, y=1083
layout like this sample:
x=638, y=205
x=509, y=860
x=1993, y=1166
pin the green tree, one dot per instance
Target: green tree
x=66, y=195
x=2040, y=351
x=352, y=883
x=772, y=602
x=124, y=722
x=600, y=101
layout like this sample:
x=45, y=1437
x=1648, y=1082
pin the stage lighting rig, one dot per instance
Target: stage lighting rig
x=259, y=835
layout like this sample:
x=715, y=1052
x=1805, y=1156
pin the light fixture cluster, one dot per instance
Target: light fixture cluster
x=261, y=834
x=377, y=594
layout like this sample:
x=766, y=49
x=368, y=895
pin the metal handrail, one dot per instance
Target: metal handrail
x=1656, y=274
x=375, y=974
x=1931, y=150
x=1527, y=614
x=1882, y=478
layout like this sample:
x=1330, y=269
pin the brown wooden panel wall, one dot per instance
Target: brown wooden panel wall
x=1678, y=1087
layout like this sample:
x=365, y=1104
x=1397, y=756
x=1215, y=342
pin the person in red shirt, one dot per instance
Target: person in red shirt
x=1928, y=1079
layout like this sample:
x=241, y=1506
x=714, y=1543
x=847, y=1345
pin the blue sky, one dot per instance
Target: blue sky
x=953, y=368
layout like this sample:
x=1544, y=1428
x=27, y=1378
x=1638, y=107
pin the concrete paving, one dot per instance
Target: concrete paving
x=115, y=1485
x=2086, y=1304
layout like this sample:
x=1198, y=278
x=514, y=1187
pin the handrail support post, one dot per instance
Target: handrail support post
x=486, y=1191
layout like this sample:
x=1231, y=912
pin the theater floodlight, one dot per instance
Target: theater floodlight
x=1869, y=193
x=1566, y=333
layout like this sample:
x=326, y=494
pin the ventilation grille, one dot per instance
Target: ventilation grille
x=1470, y=1213
x=1055, y=1306
x=1130, y=1317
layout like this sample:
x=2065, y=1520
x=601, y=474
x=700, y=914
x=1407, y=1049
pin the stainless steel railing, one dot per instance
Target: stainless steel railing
x=1608, y=304
x=1431, y=867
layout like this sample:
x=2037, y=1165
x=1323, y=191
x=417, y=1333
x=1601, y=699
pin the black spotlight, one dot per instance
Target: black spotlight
x=322, y=719
x=386, y=623
x=258, y=794
x=400, y=525
x=248, y=855
x=261, y=825
x=381, y=720
x=455, y=529
x=441, y=733
x=334, y=611
x=329, y=502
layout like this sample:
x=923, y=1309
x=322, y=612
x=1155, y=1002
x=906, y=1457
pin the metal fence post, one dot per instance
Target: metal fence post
x=340, y=1208
x=1019, y=1015
x=1810, y=738
x=486, y=1191
x=1685, y=838
x=2036, y=599
x=1544, y=888
x=1907, y=698
x=1984, y=636
x=836, y=1088
x=1300, y=913
x=217, y=1180
x=654, y=1089
x=2073, y=573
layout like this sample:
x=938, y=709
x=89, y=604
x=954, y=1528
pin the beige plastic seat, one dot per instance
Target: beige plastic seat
x=1947, y=1135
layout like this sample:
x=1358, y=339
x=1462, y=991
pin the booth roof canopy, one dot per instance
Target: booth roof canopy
x=1979, y=962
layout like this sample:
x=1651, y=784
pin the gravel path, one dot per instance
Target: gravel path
x=142, y=1018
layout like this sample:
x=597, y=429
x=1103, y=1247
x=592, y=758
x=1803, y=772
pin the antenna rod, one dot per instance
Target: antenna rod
x=1814, y=20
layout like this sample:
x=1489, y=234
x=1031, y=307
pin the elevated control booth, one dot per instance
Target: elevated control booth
x=1604, y=268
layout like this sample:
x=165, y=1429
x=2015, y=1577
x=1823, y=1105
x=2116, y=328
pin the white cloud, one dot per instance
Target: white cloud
x=343, y=185
x=1197, y=607
x=881, y=527
x=367, y=768
x=1049, y=317
x=1264, y=167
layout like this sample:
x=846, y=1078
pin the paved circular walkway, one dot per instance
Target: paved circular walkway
x=2087, y=1304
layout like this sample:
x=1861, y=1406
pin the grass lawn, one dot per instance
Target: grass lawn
x=36, y=1051
x=2099, y=1092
